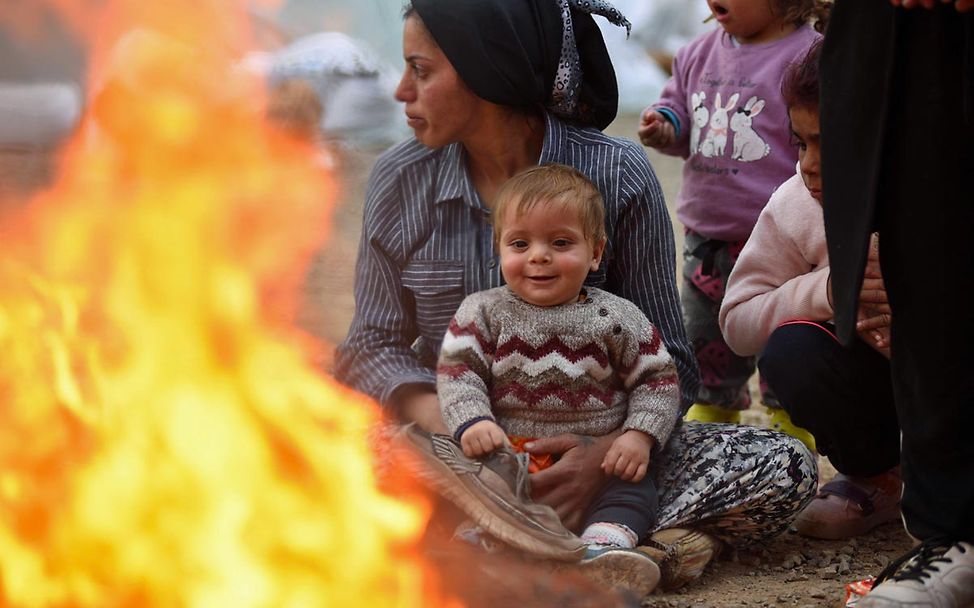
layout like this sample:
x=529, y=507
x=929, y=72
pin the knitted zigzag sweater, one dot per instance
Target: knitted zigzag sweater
x=587, y=367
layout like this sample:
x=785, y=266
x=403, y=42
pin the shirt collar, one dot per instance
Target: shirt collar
x=553, y=149
x=453, y=182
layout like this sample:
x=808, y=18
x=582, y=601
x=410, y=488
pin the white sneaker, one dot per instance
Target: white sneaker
x=935, y=574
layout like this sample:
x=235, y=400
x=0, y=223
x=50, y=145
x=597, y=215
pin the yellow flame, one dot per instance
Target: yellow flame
x=163, y=439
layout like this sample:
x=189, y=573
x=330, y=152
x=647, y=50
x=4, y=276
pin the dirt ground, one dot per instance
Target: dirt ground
x=789, y=571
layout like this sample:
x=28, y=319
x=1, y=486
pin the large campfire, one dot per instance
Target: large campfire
x=164, y=440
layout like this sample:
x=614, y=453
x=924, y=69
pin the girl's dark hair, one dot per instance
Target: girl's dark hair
x=799, y=87
x=801, y=12
x=407, y=10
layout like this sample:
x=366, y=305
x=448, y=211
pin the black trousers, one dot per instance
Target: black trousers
x=634, y=505
x=842, y=395
x=926, y=214
x=918, y=170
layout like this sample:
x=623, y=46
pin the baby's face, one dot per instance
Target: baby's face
x=545, y=256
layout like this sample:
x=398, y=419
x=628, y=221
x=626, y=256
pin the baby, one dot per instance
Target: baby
x=545, y=355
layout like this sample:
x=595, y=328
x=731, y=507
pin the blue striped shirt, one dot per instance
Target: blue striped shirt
x=427, y=242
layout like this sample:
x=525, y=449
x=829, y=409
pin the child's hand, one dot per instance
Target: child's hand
x=628, y=457
x=655, y=130
x=482, y=438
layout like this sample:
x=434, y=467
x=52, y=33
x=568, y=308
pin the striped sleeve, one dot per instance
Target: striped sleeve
x=375, y=358
x=644, y=264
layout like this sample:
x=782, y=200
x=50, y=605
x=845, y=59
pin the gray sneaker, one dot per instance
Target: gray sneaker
x=625, y=569
x=495, y=492
x=935, y=574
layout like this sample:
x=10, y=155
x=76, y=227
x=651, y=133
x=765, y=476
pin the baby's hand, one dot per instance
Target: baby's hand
x=482, y=438
x=655, y=130
x=628, y=457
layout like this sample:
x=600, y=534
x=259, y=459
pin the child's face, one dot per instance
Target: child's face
x=750, y=21
x=545, y=256
x=804, y=127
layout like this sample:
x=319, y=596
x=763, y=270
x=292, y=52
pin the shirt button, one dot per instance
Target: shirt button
x=603, y=312
x=492, y=264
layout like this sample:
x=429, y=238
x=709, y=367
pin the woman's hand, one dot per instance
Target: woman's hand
x=628, y=458
x=655, y=130
x=482, y=438
x=962, y=6
x=571, y=484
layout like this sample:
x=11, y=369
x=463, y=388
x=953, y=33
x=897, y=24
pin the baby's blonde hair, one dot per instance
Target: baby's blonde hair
x=552, y=184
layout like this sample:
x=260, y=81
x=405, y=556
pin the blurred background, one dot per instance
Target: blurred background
x=349, y=53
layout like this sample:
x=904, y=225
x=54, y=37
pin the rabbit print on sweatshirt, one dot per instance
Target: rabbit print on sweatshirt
x=716, y=141
x=748, y=145
x=701, y=115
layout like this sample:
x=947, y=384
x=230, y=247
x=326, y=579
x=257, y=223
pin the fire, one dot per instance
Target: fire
x=163, y=439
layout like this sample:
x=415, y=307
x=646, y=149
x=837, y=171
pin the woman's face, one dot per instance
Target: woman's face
x=439, y=107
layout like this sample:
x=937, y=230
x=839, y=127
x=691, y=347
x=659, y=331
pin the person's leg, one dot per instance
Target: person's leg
x=621, y=516
x=845, y=397
x=739, y=484
x=926, y=206
x=723, y=374
x=927, y=202
x=724, y=483
x=624, y=503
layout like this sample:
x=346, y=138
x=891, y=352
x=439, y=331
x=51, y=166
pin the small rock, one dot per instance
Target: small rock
x=818, y=595
x=882, y=561
x=829, y=571
x=847, y=550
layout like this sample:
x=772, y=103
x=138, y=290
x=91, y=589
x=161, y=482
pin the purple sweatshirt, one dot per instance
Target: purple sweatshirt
x=732, y=128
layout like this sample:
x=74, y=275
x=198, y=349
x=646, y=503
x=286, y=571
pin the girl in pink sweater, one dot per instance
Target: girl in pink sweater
x=778, y=306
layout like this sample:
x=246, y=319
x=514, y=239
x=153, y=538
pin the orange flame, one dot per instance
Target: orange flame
x=163, y=440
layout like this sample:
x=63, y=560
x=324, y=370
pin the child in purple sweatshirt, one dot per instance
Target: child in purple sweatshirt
x=723, y=112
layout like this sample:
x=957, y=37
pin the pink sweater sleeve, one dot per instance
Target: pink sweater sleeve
x=781, y=274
